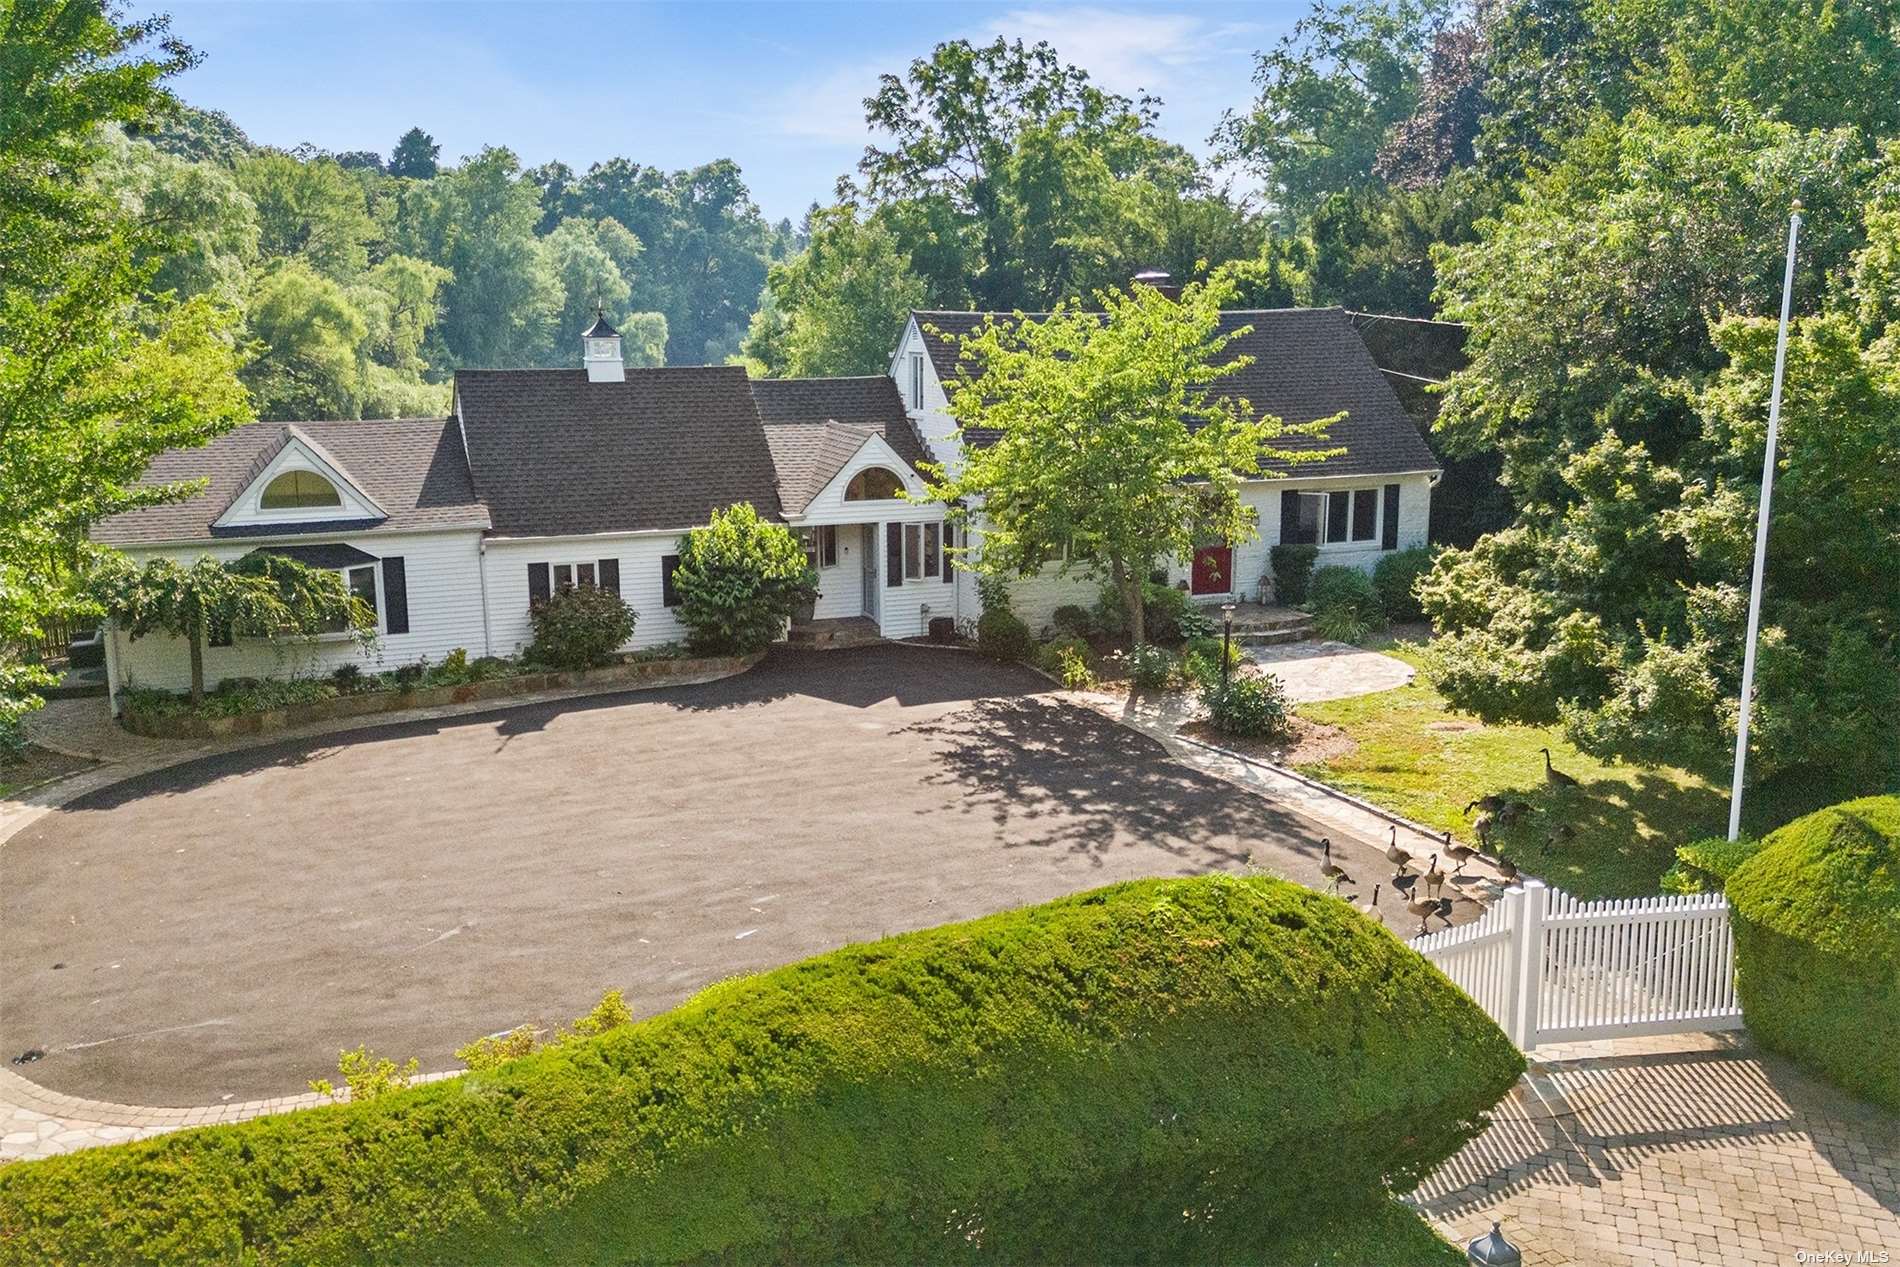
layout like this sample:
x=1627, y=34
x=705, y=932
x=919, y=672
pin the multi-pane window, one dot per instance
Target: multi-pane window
x=873, y=483
x=916, y=381
x=1333, y=518
x=298, y=490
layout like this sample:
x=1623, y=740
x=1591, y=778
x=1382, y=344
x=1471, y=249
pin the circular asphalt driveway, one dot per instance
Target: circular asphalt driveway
x=220, y=929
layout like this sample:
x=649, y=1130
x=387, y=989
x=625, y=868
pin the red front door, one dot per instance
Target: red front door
x=1213, y=566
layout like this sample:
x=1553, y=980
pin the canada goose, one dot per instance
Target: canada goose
x=1555, y=777
x=1507, y=870
x=1511, y=811
x=1434, y=877
x=1562, y=834
x=1395, y=855
x=1335, y=875
x=1481, y=827
x=1423, y=907
x=1371, y=909
x=1489, y=804
x=1459, y=854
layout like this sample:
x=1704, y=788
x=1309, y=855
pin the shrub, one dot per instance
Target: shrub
x=494, y=1050
x=1292, y=568
x=367, y=1076
x=1348, y=587
x=1207, y=651
x=1704, y=866
x=1395, y=576
x=347, y=678
x=1341, y=624
x=1067, y=660
x=1001, y=635
x=1067, y=1077
x=1816, y=912
x=1250, y=706
x=577, y=628
x=1073, y=620
x=739, y=580
x=1150, y=667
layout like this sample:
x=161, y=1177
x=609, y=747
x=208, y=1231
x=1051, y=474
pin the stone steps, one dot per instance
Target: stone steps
x=1276, y=635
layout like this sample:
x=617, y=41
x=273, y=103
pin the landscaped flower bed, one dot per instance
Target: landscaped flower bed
x=256, y=706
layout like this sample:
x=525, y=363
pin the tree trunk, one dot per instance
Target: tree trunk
x=1133, y=598
x=197, y=640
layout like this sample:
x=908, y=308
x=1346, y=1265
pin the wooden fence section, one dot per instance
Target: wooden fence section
x=1549, y=968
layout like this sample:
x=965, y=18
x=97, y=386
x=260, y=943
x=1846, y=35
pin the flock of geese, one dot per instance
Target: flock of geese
x=1424, y=886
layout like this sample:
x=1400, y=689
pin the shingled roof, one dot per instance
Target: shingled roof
x=1308, y=363
x=412, y=468
x=814, y=426
x=554, y=454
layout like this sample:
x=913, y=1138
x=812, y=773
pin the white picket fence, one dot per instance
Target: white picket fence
x=1549, y=968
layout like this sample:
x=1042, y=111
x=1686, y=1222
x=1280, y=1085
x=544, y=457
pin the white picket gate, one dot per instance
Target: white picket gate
x=1548, y=968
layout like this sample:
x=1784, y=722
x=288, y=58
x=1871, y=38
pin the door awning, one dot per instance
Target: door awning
x=334, y=554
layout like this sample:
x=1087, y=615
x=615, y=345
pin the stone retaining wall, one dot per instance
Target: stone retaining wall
x=616, y=677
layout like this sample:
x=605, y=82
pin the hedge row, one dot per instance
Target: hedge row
x=1816, y=912
x=1159, y=1070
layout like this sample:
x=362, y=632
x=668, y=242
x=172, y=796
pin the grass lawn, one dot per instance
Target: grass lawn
x=1419, y=758
x=1390, y=1235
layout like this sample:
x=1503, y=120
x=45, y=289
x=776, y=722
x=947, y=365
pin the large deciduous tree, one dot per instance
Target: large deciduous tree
x=832, y=309
x=97, y=375
x=1116, y=447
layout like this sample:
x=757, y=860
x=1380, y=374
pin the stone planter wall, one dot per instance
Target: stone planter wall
x=615, y=677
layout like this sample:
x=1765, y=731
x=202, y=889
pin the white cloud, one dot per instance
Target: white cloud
x=828, y=108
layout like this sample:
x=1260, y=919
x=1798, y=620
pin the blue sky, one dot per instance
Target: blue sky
x=775, y=86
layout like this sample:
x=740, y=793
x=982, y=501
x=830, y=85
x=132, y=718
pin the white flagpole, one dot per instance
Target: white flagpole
x=1761, y=534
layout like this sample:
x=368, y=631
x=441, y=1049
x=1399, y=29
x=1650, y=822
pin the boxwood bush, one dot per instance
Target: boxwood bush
x=1058, y=1083
x=577, y=628
x=1395, y=576
x=1292, y=569
x=1817, y=944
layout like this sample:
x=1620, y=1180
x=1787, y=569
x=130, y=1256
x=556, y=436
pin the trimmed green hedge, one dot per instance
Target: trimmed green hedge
x=1154, y=1070
x=1817, y=944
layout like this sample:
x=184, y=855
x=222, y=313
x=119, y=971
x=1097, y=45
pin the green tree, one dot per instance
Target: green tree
x=739, y=580
x=313, y=210
x=96, y=375
x=839, y=301
x=1127, y=399
x=478, y=221
x=259, y=595
x=308, y=333
x=209, y=241
x=1330, y=95
x=414, y=156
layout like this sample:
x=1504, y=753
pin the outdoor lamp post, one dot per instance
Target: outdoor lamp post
x=1226, y=641
x=1492, y=1250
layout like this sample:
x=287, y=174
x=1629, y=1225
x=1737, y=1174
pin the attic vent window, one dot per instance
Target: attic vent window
x=873, y=483
x=298, y=490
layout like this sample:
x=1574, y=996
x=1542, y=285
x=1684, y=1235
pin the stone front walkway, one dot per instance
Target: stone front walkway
x=1313, y=671
x=1690, y=1149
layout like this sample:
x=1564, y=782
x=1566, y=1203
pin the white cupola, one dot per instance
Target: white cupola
x=600, y=352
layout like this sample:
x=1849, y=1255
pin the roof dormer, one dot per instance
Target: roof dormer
x=295, y=481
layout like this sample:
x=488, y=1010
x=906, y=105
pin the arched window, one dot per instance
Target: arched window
x=296, y=490
x=873, y=483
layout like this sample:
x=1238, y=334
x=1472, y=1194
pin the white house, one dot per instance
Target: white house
x=1308, y=364
x=450, y=528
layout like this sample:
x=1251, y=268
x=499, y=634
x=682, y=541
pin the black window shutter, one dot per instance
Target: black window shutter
x=949, y=560
x=669, y=592
x=893, y=555
x=610, y=575
x=538, y=585
x=1289, y=517
x=395, y=595
x=1389, y=538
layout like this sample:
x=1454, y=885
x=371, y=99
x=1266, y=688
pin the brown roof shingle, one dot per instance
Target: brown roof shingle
x=813, y=426
x=1308, y=363
x=554, y=454
x=412, y=468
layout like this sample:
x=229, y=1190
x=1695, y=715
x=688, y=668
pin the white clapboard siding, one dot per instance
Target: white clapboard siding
x=1549, y=968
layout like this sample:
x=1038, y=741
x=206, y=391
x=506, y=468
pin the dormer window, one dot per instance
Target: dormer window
x=873, y=483
x=299, y=490
x=916, y=381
